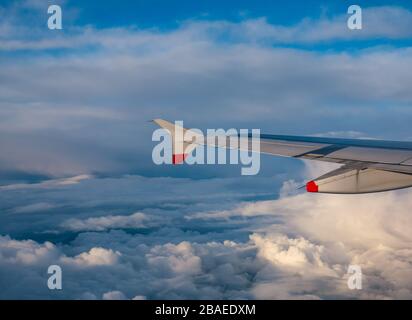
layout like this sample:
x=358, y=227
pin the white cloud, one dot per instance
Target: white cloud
x=333, y=231
x=95, y=257
x=26, y=252
x=386, y=22
x=289, y=253
x=360, y=220
x=136, y=220
x=114, y=295
x=175, y=259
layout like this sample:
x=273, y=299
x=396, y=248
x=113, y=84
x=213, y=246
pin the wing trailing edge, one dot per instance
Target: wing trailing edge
x=353, y=180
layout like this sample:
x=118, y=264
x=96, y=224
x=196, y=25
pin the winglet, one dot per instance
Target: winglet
x=179, y=158
x=181, y=148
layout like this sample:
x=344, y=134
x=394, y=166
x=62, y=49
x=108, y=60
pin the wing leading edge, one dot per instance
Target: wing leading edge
x=367, y=165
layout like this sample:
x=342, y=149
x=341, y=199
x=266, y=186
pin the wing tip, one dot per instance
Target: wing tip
x=311, y=186
x=179, y=158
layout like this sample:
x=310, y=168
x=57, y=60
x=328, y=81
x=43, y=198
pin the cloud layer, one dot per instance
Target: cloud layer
x=83, y=109
x=296, y=247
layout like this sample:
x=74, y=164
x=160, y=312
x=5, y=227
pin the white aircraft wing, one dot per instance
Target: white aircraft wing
x=367, y=165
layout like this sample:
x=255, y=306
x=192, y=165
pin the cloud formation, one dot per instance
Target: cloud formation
x=296, y=247
x=95, y=257
x=85, y=111
x=384, y=22
x=107, y=222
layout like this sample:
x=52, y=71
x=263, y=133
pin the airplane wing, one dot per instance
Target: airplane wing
x=367, y=165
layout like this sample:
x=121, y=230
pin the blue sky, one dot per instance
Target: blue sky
x=78, y=187
x=165, y=14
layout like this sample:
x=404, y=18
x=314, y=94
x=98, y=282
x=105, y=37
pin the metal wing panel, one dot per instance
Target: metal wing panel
x=370, y=143
x=273, y=147
x=390, y=167
x=288, y=148
x=407, y=162
x=371, y=155
x=339, y=150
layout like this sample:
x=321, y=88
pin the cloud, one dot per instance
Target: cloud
x=358, y=220
x=51, y=183
x=176, y=259
x=289, y=253
x=25, y=252
x=36, y=207
x=298, y=247
x=114, y=295
x=333, y=232
x=28, y=252
x=385, y=22
x=107, y=222
x=207, y=240
x=95, y=257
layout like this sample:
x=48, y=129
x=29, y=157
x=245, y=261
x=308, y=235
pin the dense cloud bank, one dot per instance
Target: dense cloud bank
x=298, y=246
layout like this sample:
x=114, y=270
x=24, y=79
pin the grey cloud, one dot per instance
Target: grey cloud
x=35, y=207
x=114, y=295
x=136, y=220
x=90, y=112
x=86, y=111
x=91, y=203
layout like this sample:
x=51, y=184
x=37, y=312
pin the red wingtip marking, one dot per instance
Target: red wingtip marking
x=178, y=158
x=311, y=186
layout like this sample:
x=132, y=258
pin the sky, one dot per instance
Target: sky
x=78, y=187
